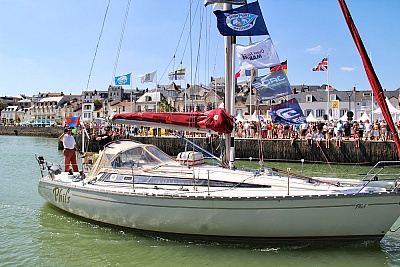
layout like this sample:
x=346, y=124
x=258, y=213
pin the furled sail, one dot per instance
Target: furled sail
x=213, y=121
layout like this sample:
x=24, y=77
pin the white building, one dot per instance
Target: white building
x=49, y=110
x=9, y=114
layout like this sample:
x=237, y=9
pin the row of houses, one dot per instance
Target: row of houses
x=52, y=108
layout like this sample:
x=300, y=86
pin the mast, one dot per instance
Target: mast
x=229, y=41
x=369, y=69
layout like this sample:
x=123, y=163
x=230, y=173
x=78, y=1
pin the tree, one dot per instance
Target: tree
x=3, y=105
x=97, y=103
x=164, y=106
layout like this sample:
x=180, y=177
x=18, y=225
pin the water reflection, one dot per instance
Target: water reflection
x=70, y=239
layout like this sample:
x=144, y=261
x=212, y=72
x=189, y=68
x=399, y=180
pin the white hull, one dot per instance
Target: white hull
x=368, y=216
x=137, y=186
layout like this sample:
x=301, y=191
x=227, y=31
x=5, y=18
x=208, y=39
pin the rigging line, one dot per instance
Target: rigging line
x=198, y=49
x=215, y=73
x=97, y=46
x=191, y=26
x=121, y=39
x=176, y=50
x=259, y=132
x=326, y=159
x=190, y=38
x=208, y=43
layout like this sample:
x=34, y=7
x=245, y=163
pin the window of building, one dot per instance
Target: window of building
x=319, y=112
x=309, y=98
x=307, y=112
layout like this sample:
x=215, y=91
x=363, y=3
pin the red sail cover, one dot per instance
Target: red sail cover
x=372, y=77
x=217, y=120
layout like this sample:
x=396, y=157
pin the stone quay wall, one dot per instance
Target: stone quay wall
x=369, y=152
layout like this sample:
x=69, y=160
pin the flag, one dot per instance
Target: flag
x=246, y=20
x=123, y=80
x=258, y=55
x=288, y=112
x=282, y=66
x=272, y=85
x=149, y=77
x=72, y=121
x=242, y=73
x=177, y=75
x=233, y=2
x=322, y=66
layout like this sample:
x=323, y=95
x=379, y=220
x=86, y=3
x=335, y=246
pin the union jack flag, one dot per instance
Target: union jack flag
x=322, y=66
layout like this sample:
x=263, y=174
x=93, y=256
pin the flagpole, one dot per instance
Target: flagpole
x=327, y=74
x=131, y=91
x=372, y=97
x=251, y=91
x=184, y=108
x=156, y=94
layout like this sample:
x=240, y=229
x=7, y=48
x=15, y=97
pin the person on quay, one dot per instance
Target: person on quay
x=70, y=147
x=105, y=138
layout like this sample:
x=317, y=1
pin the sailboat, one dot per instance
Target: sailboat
x=138, y=186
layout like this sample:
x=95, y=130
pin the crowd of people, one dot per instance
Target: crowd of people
x=317, y=131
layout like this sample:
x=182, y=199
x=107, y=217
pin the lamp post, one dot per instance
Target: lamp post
x=349, y=95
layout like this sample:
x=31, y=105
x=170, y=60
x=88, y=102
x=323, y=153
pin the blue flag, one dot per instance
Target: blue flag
x=123, y=80
x=272, y=85
x=288, y=112
x=246, y=20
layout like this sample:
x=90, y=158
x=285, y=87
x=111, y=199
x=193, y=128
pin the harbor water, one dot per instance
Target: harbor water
x=35, y=233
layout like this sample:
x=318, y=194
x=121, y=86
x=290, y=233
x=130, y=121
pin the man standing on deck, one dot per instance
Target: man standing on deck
x=69, y=150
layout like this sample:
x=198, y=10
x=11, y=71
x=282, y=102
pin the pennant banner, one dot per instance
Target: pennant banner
x=288, y=112
x=72, y=121
x=233, y=2
x=258, y=55
x=177, y=75
x=246, y=20
x=123, y=80
x=282, y=66
x=322, y=66
x=149, y=77
x=272, y=85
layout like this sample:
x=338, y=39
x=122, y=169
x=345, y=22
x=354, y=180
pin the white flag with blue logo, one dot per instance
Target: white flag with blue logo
x=257, y=55
x=149, y=77
x=123, y=79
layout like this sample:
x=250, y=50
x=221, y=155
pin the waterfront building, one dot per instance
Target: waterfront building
x=52, y=108
x=9, y=114
x=147, y=102
x=48, y=110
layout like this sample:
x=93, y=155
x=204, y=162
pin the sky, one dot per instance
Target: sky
x=49, y=46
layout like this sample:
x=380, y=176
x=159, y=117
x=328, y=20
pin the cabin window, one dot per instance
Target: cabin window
x=139, y=158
